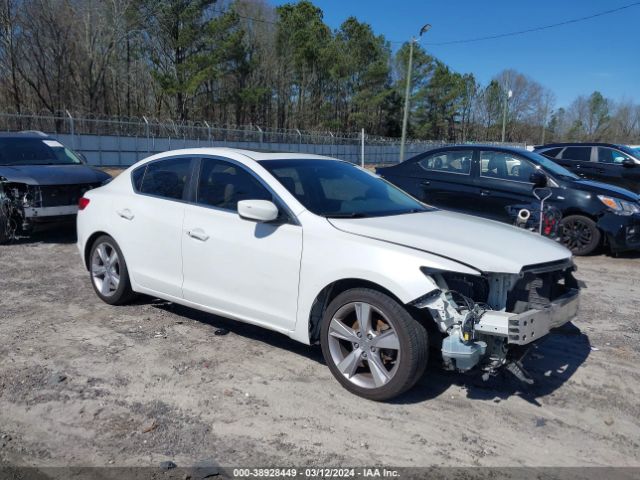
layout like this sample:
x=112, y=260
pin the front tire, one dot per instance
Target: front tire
x=109, y=274
x=372, y=344
x=580, y=234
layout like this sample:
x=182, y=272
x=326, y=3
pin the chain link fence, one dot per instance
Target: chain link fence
x=122, y=141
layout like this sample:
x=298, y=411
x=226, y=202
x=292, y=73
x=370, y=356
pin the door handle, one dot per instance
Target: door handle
x=126, y=214
x=425, y=183
x=198, y=234
x=485, y=193
x=600, y=170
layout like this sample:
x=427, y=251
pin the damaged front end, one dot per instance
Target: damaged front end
x=490, y=321
x=23, y=206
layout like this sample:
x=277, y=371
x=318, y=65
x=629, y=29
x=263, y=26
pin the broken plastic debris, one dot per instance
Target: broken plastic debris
x=594, y=349
x=221, y=331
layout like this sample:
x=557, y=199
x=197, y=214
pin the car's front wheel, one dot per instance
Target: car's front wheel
x=109, y=274
x=372, y=344
x=580, y=234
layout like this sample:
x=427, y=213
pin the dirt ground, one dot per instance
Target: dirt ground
x=83, y=383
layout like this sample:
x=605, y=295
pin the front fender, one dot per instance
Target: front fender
x=328, y=259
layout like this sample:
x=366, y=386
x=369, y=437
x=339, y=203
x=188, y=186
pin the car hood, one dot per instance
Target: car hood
x=600, y=188
x=486, y=245
x=52, y=174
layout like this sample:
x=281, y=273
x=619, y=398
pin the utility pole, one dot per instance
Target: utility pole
x=407, y=92
x=507, y=96
x=544, y=121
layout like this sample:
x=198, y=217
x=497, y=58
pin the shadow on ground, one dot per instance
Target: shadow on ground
x=551, y=362
x=64, y=234
x=246, y=330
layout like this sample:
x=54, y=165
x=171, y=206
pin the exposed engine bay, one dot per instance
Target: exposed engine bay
x=23, y=207
x=490, y=321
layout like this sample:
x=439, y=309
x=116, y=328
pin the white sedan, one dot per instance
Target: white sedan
x=326, y=252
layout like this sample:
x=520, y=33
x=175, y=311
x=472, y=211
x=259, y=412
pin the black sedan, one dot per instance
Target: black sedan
x=488, y=181
x=41, y=182
x=615, y=164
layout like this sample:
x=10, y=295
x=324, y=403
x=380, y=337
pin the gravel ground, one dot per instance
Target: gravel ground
x=83, y=383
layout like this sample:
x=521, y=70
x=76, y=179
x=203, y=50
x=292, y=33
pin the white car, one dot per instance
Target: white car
x=326, y=252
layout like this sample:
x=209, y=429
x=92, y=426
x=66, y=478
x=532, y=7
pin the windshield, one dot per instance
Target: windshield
x=552, y=167
x=35, y=151
x=633, y=151
x=336, y=189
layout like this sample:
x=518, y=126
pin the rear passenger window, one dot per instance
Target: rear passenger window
x=166, y=178
x=223, y=185
x=551, y=153
x=448, y=162
x=579, y=154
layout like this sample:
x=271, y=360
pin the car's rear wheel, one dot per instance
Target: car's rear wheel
x=109, y=274
x=580, y=234
x=372, y=344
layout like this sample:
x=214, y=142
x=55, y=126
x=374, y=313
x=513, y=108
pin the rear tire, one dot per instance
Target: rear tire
x=372, y=344
x=580, y=234
x=5, y=221
x=108, y=270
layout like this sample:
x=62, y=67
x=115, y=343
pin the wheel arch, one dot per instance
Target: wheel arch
x=89, y=243
x=331, y=291
x=576, y=211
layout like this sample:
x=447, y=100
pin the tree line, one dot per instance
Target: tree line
x=246, y=62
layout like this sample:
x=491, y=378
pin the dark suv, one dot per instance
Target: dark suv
x=615, y=164
x=489, y=181
x=41, y=181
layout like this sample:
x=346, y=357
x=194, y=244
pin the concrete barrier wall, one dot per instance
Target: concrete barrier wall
x=106, y=150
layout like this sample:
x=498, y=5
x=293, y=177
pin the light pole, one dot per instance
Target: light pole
x=504, y=113
x=407, y=92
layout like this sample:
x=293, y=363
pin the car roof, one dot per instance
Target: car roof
x=477, y=146
x=577, y=144
x=255, y=155
x=29, y=134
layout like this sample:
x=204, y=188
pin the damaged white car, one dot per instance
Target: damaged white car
x=325, y=252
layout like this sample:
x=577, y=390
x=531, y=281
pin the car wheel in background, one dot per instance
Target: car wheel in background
x=372, y=344
x=580, y=234
x=109, y=275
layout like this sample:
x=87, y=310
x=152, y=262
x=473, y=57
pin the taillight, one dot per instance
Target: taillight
x=82, y=203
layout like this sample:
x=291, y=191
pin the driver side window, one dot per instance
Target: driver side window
x=505, y=166
x=609, y=155
x=223, y=185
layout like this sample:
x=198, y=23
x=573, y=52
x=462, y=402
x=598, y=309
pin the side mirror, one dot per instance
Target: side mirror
x=539, y=179
x=258, y=210
x=628, y=163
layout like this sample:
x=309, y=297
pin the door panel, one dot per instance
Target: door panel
x=579, y=160
x=443, y=179
x=611, y=169
x=503, y=182
x=245, y=269
x=147, y=224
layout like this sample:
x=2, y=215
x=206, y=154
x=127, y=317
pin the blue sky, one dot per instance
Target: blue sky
x=599, y=54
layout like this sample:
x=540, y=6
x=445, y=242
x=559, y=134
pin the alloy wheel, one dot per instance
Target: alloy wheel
x=105, y=269
x=576, y=235
x=364, y=345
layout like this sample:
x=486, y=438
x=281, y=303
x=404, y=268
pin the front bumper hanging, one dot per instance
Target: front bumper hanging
x=524, y=328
